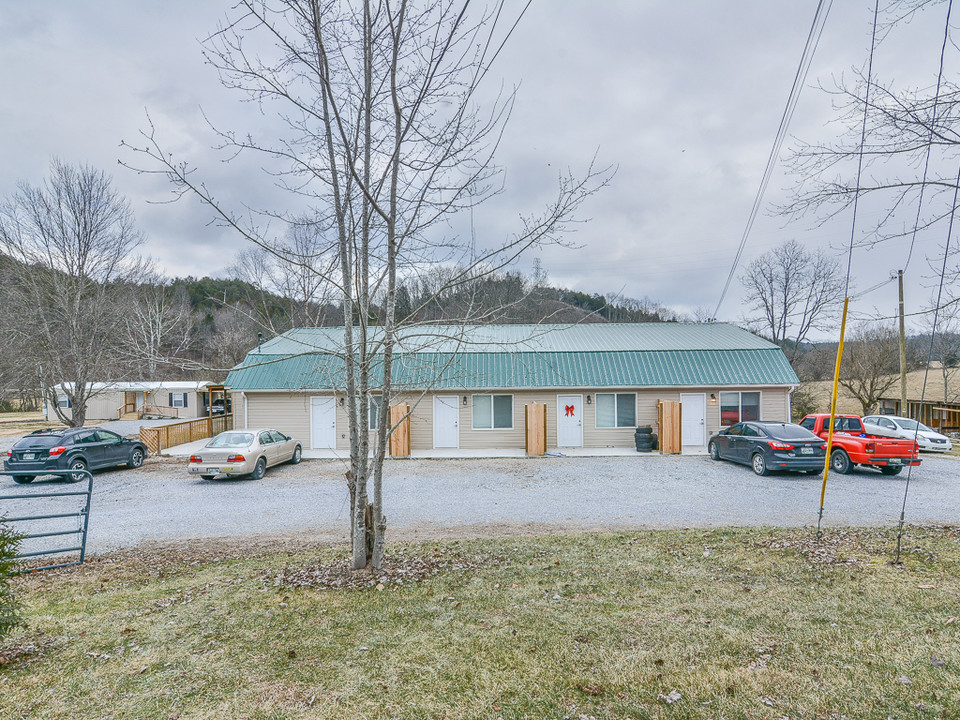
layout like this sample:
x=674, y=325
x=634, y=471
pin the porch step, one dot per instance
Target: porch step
x=130, y=416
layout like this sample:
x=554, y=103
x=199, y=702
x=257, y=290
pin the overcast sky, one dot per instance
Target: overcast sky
x=684, y=97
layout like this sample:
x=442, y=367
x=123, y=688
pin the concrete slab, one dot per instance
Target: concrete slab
x=193, y=448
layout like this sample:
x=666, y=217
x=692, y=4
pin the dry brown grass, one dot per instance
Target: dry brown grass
x=657, y=624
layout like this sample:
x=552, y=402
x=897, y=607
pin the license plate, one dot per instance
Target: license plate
x=211, y=471
x=806, y=451
x=29, y=456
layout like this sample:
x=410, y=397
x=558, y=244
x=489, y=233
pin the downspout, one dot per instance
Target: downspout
x=243, y=399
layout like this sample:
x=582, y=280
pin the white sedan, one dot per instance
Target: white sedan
x=245, y=452
x=895, y=426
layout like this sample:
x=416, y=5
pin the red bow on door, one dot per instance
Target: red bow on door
x=569, y=410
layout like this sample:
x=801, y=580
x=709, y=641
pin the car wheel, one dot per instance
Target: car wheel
x=208, y=477
x=136, y=458
x=714, y=451
x=760, y=464
x=260, y=469
x=891, y=469
x=297, y=455
x=78, y=465
x=840, y=462
x=23, y=479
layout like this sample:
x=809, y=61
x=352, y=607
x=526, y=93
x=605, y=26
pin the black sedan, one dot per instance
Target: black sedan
x=71, y=449
x=769, y=446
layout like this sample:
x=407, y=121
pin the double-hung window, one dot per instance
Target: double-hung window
x=178, y=400
x=493, y=412
x=616, y=410
x=739, y=407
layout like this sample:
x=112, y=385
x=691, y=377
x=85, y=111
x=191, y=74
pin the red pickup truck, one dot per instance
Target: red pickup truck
x=853, y=445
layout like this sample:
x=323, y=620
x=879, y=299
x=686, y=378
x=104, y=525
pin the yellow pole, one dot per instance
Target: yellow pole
x=833, y=411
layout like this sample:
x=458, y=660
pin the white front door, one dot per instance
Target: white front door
x=138, y=400
x=446, y=421
x=323, y=423
x=569, y=420
x=693, y=426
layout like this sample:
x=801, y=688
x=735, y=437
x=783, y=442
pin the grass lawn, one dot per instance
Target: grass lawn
x=731, y=623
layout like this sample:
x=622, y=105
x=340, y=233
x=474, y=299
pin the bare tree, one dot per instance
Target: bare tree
x=289, y=283
x=945, y=345
x=70, y=240
x=158, y=325
x=388, y=142
x=907, y=147
x=870, y=364
x=791, y=291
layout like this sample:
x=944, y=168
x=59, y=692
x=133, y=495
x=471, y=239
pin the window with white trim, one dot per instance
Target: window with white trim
x=376, y=402
x=493, y=412
x=616, y=410
x=739, y=407
x=178, y=400
x=63, y=400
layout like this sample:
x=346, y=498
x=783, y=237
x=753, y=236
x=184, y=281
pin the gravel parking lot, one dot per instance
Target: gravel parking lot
x=458, y=498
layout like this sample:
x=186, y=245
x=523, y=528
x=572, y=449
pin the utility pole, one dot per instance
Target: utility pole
x=903, y=352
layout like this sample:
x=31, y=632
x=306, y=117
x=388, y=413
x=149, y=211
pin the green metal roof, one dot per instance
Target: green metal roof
x=529, y=356
x=531, y=338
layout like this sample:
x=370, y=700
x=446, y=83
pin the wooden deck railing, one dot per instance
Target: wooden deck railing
x=162, y=437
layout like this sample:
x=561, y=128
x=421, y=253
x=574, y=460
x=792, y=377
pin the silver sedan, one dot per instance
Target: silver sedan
x=245, y=452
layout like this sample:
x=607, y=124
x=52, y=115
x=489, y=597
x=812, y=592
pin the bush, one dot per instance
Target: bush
x=9, y=545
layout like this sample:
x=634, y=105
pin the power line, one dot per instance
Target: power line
x=926, y=372
x=846, y=287
x=936, y=312
x=806, y=59
x=933, y=124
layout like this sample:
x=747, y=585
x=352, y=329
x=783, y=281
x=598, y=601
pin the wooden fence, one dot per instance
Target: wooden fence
x=669, y=424
x=166, y=436
x=400, y=438
x=535, y=427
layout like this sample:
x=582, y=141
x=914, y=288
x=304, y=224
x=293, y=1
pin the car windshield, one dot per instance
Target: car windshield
x=231, y=440
x=40, y=440
x=913, y=425
x=788, y=431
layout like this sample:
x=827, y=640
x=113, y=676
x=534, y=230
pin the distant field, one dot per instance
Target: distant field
x=19, y=423
x=737, y=623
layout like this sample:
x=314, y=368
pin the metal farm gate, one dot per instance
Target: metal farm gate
x=51, y=520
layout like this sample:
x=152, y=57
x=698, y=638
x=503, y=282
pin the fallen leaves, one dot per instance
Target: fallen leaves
x=399, y=568
x=590, y=688
x=670, y=698
x=12, y=652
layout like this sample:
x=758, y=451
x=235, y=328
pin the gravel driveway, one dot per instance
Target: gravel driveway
x=457, y=498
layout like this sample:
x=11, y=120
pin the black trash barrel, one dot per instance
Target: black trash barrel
x=643, y=438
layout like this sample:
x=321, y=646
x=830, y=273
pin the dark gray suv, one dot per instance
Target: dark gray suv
x=71, y=449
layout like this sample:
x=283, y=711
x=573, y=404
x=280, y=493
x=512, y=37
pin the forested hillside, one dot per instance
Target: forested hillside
x=197, y=328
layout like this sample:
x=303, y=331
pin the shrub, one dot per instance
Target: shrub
x=9, y=544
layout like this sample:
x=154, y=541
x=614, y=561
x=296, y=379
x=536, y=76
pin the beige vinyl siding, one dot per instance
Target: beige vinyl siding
x=287, y=412
x=105, y=406
x=290, y=413
x=238, y=404
x=102, y=406
x=775, y=405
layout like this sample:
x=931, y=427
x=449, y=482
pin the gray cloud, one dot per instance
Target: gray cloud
x=683, y=97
